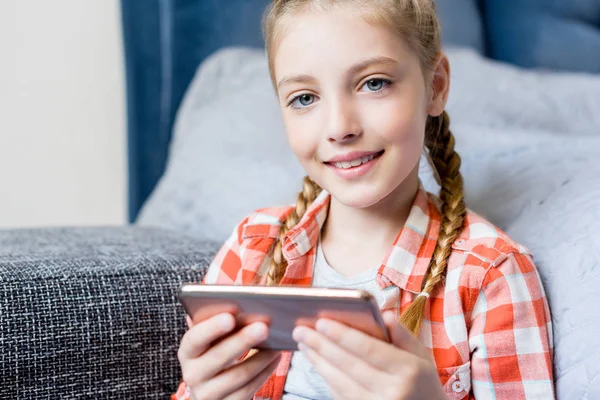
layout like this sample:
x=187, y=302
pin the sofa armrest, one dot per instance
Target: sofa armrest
x=92, y=312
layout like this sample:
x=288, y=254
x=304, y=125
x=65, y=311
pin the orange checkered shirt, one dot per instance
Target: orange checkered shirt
x=488, y=327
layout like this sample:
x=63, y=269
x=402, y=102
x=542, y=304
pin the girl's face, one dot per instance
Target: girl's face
x=354, y=103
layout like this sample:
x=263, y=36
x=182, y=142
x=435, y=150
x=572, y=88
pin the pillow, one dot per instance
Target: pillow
x=229, y=144
x=229, y=139
x=559, y=34
x=567, y=249
x=543, y=190
x=499, y=95
x=529, y=159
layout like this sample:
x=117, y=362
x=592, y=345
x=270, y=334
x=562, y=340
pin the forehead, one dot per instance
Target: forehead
x=334, y=39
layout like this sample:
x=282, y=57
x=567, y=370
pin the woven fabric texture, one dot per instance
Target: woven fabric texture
x=92, y=313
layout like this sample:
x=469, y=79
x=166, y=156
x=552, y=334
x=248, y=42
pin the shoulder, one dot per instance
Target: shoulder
x=264, y=222
x=481, y=251
x=485, y=241
x=247, y=246
x=486, y=261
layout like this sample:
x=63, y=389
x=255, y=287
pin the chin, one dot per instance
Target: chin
x=359, y=196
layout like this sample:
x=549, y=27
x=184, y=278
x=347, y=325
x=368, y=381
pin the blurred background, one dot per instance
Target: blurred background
x=62, y=113
x=76, y=149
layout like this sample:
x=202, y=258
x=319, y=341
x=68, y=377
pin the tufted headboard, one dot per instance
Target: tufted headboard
x=166, y=40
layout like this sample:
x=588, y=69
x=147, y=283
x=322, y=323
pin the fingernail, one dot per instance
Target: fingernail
x=298, y=334
x=259, y=331
x=322, y=326
x=226, y=322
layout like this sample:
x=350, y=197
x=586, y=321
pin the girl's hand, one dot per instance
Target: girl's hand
x=358, y=366
x=212, y=371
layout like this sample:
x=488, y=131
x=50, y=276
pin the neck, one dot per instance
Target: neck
x=374, y=226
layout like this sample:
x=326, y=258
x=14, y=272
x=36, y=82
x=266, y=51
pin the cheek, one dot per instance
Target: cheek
x=302, y=136
x=399, y=122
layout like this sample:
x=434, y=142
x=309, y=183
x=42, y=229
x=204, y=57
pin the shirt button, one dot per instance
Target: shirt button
x=457, y=387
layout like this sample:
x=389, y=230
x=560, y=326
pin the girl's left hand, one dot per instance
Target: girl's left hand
x=358, y=366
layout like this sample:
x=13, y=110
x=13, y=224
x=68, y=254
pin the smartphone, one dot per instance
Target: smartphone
x=283, y=308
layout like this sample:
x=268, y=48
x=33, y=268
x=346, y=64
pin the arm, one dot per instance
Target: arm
x=227, y=262
x=510, y=336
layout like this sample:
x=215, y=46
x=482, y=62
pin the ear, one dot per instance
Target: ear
x=440, y=86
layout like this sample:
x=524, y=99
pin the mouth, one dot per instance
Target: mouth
x=355, y=163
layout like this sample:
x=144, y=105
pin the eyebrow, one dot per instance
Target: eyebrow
x=361, y=66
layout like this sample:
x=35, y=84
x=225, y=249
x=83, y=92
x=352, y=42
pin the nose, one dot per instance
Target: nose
x=343, y=123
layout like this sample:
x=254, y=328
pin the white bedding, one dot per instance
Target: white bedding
x=530, y=144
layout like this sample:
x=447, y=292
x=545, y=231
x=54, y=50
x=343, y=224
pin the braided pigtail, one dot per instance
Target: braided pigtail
x=306, y=197
x=446, y=162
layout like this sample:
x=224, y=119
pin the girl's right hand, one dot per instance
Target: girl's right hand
x=212, y=371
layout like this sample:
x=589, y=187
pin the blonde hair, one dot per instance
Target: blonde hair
x=416, y=21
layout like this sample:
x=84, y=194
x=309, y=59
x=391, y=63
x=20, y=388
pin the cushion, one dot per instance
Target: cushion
x=229, y=138
x=543, y=190
x=567, y=250
x=229, y=144
x=525, y=138
x=92, y=312
x=499, y=95
x=559, y=34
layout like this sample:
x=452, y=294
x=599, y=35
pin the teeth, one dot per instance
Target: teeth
x=354, y=163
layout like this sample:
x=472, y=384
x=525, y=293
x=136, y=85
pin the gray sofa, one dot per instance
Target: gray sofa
x=92, y=313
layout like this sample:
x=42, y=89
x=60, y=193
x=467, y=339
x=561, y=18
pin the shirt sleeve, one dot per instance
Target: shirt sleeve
x=511, y=334
x=222, y=270
x=227, y=262
x=182, y=393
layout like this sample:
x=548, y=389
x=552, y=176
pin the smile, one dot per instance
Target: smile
x=354, y=163
x=351, y=169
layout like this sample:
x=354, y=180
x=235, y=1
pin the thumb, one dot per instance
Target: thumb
x=403, y=338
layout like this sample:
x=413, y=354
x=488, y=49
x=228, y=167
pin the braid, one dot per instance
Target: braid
x=446, y=162
x=309, y=193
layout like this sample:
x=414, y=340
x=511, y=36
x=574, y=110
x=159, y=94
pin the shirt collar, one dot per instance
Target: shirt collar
x=305, y=235
x=407, y=261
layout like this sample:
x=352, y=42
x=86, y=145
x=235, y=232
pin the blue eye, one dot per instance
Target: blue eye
x=302, y=101
x=376, y=85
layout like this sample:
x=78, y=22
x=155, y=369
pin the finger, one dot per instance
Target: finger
x=258, y=381
x=403, y=338
x=188, y=320
x=199, y=337
x=244, y=380
x=377, y=353
x=335, y=394
x=225, y=354
x=338, y=381
x=355, y=368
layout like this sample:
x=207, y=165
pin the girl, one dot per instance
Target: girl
x=362, y=86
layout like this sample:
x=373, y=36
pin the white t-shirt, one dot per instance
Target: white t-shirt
x=303, y=381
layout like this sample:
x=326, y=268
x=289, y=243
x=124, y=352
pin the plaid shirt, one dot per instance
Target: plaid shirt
x=488, y=327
